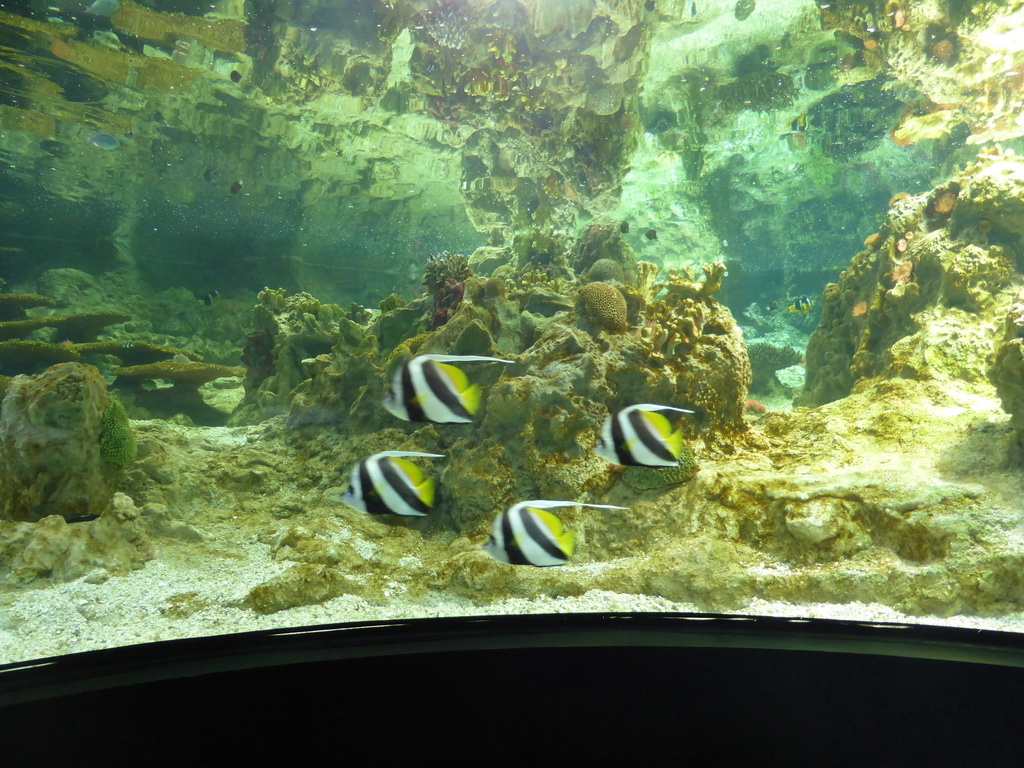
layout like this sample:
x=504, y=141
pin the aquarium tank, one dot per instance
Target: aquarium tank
x=328, y=311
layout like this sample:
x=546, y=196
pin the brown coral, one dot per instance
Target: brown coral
x=604, y=306
x=944, y=203
x=943, y=50
x=902, y=272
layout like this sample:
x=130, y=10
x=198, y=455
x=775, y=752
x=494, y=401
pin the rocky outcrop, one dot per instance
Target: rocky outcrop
x=925, y=297
x=50, y=439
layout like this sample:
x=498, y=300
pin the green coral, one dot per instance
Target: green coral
x=606, y=271
x=642, y=479
x=444, y=267
x=117, y=443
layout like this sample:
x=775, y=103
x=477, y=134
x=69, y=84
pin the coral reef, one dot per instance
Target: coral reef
x=138, y=382
x=696, y=339
x=334, y=145
x=289, y=333
x=766, y=358
x=913, y=304
x=604, y=306
x=445, y=278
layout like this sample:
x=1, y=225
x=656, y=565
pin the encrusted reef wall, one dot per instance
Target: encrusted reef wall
x=927, y=296
x=64, y=449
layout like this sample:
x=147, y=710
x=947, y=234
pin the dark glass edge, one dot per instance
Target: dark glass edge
x=170, y=659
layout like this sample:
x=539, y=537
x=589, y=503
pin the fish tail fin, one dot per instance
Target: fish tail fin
x=675, y=444
x=471, y=399
x=567, y=543
x=426, y=491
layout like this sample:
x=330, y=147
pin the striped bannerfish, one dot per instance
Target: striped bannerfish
x=388, y=484
x=526, y=534
x=639, y=436
x=425, y=388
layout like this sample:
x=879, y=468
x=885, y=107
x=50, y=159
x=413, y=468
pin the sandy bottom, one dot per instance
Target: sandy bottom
x=147, y=605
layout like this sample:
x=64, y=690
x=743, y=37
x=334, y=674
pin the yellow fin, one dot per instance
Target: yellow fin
x=469, y=394
x=658, y=423
x=471, y=399
x=426, y=491
x=568, y=543
x=424, y=485
x=565, y=539
x=548, y=520
x=414, y=473
x=673, y=440
x=674, y=443
x=455, y=375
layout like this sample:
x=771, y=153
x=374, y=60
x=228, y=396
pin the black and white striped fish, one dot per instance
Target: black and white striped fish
x=388, y=484
x=640, y=436
x=527, y=534
x=426, y=388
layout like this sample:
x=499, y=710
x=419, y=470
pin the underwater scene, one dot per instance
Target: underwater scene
x=319, y=311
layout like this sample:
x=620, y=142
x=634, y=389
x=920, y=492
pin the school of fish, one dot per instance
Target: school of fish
x=428, y=388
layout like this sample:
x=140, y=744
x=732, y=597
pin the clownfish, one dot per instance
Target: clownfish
x=803, y=304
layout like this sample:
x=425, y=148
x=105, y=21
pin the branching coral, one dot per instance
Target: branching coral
x=673, y=329
x=676, y=321
x=683, y=284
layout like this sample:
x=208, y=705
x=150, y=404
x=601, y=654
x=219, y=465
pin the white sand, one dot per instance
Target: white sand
x=79, y=616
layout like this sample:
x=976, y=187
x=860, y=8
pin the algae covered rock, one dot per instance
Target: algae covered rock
x=1007, y=369
x=288, y=332
x=922, y=300
x=51, y=445
x=302, y=584
x=54, y=550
